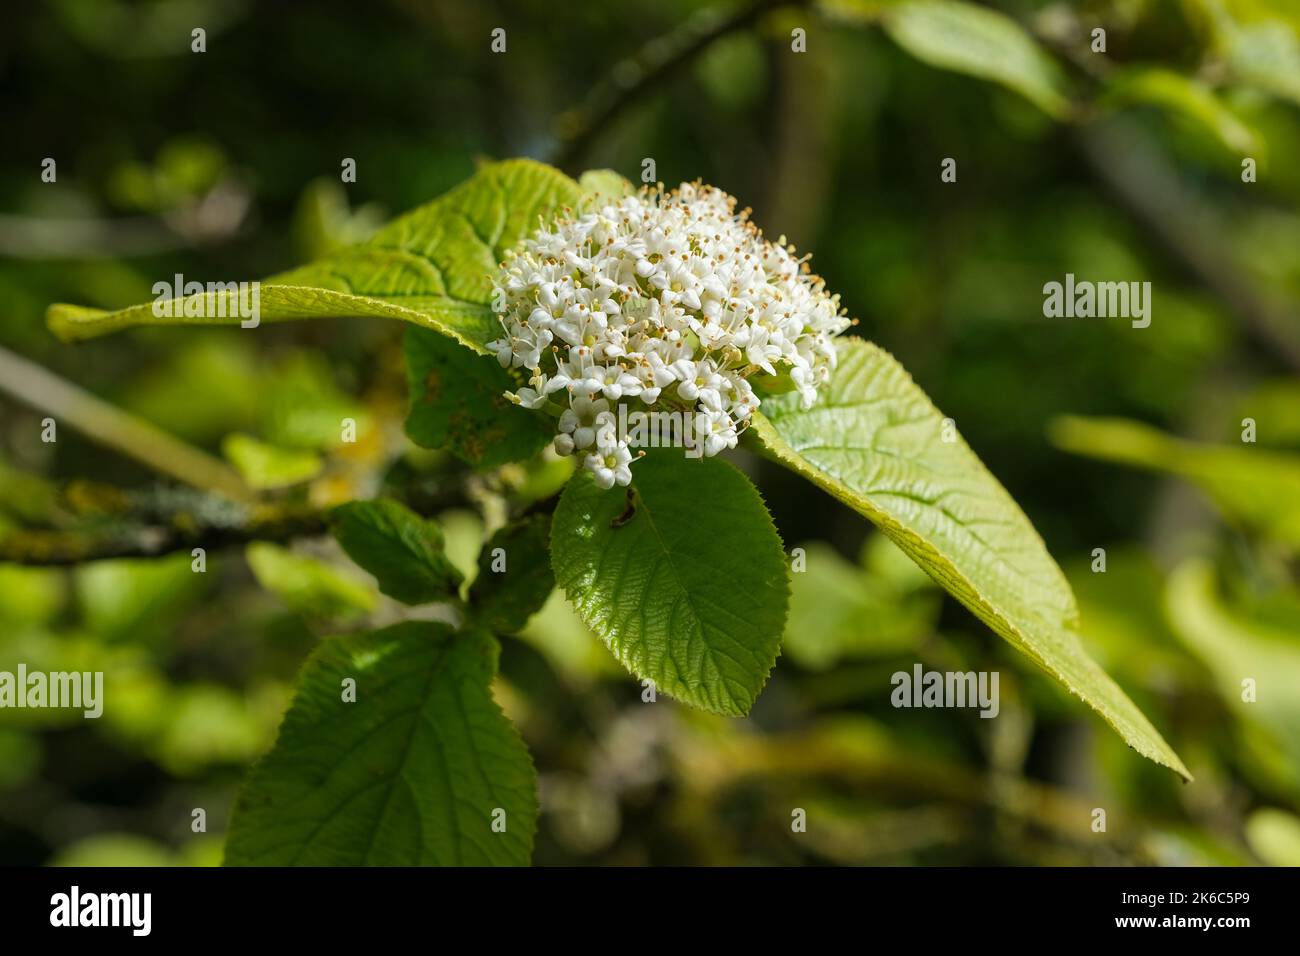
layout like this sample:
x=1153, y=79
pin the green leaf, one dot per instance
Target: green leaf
x=1267, y=55
x=603, y=186
x=840, y=611
x=514, y=574
x=138, y=600
x=1254, y=485
x=458, y=402
x=682, y=575
x=1274, y=835
x=114, y=849
x=308, y=586
x=402, y=550
x=1235, y=647
x=431, y=267
x=37, y=595
x=877, y=443
x=1188, y=98
x=265, y=466
x=1260, y=42
x=409, y=774
x=855, y=11
x=982, y=43
x=300, y=406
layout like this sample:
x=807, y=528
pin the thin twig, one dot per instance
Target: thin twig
x=652, y=63
x=113, y=428
x=1150, y=190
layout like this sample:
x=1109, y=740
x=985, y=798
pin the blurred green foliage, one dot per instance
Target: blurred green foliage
x=225, y=165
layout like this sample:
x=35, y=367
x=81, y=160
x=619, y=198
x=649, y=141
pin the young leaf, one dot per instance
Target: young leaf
x=309, y=586
x=415, y=771
x=1236, y=645
x=431, y=267
x=855, y=11
x=682, y=574
x=1261, y=51
x=1186, y=97
x=514, y=574
x=841, y=611
x=875, y=441
x=979, y=42
x=266, y=466
x=1258, y=486
x=603, y=186
x=458, y=402
x=402, y=550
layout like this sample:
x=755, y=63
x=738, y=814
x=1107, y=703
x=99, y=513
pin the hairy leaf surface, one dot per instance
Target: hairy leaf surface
x=431, y=267
x=402, y=550
x=876, y=442
x=410, y=774
x=682, y=574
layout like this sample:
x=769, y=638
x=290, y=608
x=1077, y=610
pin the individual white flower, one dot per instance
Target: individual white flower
x=802, y=377
x=700, y=382
x=719, y=432
x=675, y=298
x=760, y=345
x=611, y=466
x=659, y=370
x=526, y=346
x=580, y=327
x=607, y=439
x=529, y=398
x=615, y=381
x=580, y=418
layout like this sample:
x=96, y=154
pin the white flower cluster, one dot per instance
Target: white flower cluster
x=673, y=298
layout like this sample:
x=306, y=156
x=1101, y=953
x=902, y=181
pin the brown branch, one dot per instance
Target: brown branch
x=50, y=547
x=93, y=522
x=87, y=521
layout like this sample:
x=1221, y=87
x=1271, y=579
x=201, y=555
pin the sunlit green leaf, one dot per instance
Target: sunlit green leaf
x=1261, y=45
x=603, y=185
x=1238, y=650
x=265, y=466
x=458, y=402
x=1274, y=835
x=514, y=574
x=309, y=586
x=138, y=599
x=402, y=550
x=682, y=575
x=114, y=849
x=1255, y=485
x=1188, y=98
x=415, y=771
x=877, y=443
x=431, y=267
x=29, y=595
x=856, y=11
x=979, y=42
x=839, y=610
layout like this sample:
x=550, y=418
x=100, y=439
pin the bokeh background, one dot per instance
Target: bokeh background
x=225, y=165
